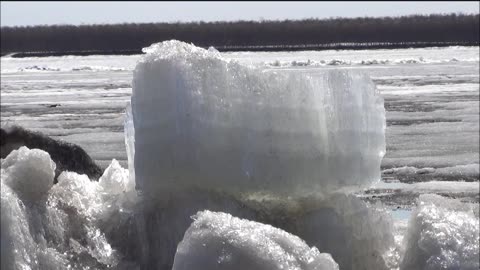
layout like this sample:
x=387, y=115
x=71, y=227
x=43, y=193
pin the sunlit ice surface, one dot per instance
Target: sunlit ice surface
x=432, y=119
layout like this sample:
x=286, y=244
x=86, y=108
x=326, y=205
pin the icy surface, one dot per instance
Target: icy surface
x=119, y=63
x=221, y=125
x=468, y=172
x=432, y=105
x=444, y=187
x=17, y=246
x=432, y=116
x=442, y=234
x=218, y=240
x=116, y=179
x=29, y=172
x=356, y=234
x=129, y=133
x=59, y=226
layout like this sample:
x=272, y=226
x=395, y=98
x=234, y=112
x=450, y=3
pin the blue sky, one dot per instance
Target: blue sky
x=35, y=13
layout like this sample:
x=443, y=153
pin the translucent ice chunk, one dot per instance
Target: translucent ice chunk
x=218, y=240
x=61, y=226
x=29, y=173
x=356, y=234
x=442, y=234
x=18, y=249
x=204, y=121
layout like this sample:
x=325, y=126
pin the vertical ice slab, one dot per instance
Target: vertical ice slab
x=204, y=121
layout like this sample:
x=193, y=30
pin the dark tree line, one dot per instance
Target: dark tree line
x=430, y=29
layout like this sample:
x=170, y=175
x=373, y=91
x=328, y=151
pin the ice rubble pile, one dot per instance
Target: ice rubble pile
x=46, y=226
x=204, y=121
x=201, y=122
x=220, y=241
x=79, y=224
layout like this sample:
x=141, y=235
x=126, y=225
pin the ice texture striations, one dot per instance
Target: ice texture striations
x=204, y=121
x=218, y=240
x=442, y=234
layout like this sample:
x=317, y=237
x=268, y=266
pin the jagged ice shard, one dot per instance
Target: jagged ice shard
x=207, y=122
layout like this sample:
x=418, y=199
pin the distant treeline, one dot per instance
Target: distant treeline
x=394, y=32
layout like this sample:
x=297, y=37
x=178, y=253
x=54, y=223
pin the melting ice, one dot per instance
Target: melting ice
x=230, y=167
x=221, y=125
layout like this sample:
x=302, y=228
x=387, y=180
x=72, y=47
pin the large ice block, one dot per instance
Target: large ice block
x=68, y=225
x=204, y=121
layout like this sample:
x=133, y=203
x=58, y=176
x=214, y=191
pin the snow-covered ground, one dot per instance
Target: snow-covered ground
x=431, y=98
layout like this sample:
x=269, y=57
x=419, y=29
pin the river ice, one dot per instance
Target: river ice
x=431, y=102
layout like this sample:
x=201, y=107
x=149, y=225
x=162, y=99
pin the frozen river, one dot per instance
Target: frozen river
x=431, y=98
x=313, y=197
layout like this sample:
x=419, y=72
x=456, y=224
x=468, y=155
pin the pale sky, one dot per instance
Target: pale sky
x=36, y=13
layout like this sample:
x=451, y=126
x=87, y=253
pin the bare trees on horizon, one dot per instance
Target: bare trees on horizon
x=441, y=28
